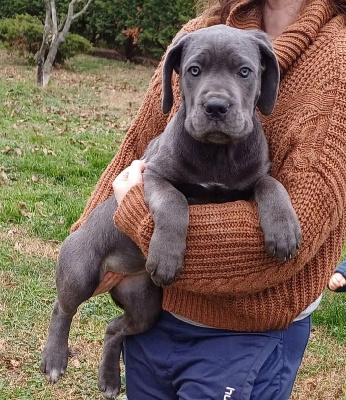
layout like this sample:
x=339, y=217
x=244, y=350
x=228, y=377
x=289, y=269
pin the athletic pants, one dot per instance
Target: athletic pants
x=176, y=360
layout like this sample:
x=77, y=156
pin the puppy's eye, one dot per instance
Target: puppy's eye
x=194, y=71
x=244, y=72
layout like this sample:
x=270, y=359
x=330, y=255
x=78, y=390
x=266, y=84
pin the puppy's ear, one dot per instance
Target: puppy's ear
x=270, y=75
x=172, y=62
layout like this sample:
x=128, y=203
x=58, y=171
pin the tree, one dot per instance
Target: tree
x=54, y=34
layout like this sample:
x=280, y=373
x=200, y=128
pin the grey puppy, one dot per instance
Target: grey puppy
x=213, y=150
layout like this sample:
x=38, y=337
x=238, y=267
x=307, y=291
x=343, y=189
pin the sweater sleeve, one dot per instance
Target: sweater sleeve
x=225, y=247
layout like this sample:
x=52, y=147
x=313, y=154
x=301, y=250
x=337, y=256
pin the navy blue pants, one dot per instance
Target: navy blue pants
x=179, y=361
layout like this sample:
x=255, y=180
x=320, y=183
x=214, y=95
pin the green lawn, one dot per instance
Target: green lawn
x=54, y=144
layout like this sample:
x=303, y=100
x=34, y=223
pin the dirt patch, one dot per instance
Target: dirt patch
x=6, y=281
x=26, y=244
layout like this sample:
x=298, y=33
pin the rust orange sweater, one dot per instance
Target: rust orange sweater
x=228, y=280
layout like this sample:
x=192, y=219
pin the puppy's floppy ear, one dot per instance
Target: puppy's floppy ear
x=172, y=62
x=270, y=76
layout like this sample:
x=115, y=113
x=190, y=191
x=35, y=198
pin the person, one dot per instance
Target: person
x=236, y=323
x=337, y=281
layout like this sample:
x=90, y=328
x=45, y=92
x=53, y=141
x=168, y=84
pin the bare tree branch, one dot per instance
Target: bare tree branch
x=61, y=24
x=47, y=24
x=54, y=19
x=83, y=10
x=68, y=22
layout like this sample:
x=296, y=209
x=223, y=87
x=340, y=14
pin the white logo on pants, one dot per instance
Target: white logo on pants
x=228, y=393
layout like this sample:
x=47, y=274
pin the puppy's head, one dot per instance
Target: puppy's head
x=224, y=74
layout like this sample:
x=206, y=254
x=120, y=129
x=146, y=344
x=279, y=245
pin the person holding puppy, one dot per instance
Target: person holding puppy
x=236, y=323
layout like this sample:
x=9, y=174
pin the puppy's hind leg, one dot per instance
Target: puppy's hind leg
x=77, y=277
x=141, y=300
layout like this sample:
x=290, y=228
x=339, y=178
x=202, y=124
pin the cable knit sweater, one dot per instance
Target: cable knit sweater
x=228, y=280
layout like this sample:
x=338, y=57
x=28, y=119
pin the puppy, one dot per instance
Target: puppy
x=213, y=150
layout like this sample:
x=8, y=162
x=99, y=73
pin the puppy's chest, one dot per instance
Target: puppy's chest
x=217, y=183
x=211, y=192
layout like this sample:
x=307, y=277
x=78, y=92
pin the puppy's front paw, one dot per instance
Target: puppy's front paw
x=165, y=261
x=164, y=270
x=283, y=235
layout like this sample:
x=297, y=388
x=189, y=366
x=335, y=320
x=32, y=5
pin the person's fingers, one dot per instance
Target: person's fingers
x=123, y=176
x=338, y=278
x=332, y=284
x=128, y=178
x=342, y=281
x=336, y=281
x=135, y=172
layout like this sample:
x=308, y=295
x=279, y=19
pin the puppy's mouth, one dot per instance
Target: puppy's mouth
x=217, y=138
x=232, y=129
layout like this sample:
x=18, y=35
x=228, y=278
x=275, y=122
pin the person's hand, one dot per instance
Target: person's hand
x=128, y=178
x=336, y=281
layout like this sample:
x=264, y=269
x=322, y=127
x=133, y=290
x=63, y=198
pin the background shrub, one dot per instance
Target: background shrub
x=73, y=45
x=9, y=8
x=150, y=25
x=23, y=34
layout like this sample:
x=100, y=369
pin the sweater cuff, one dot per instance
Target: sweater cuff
x=133, y=218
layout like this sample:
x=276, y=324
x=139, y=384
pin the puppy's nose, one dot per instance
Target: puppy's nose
x=216, y=108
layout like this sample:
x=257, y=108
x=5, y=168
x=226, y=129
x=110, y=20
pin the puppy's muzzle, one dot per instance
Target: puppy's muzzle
x=216, y=109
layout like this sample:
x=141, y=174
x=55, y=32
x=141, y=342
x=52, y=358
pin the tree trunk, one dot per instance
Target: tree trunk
x=49, y=61
x=46, y=70
x=46, y=55
x=39, y=75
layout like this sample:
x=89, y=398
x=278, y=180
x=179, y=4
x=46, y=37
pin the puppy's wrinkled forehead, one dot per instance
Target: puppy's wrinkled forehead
x=221, y=45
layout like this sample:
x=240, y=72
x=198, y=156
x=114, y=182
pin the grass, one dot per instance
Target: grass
x=27, y=293
x=54, y=144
